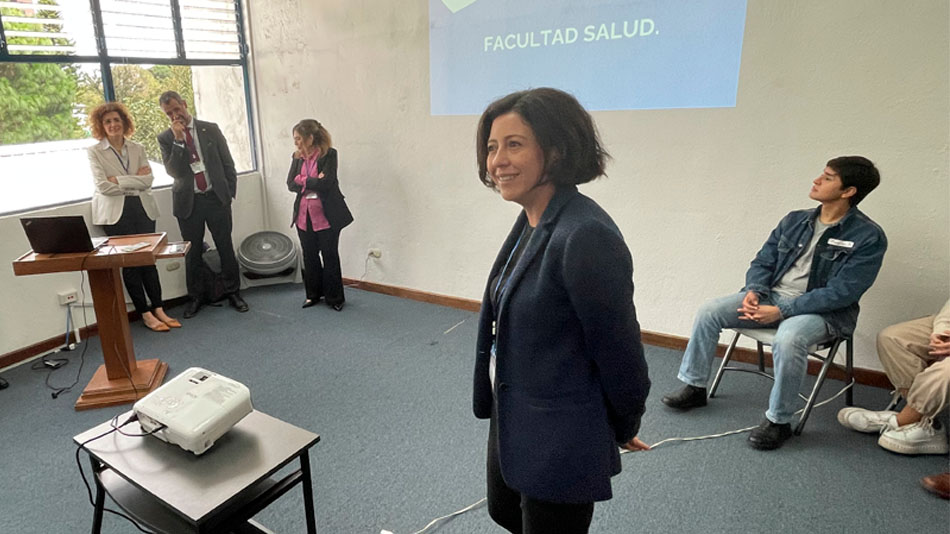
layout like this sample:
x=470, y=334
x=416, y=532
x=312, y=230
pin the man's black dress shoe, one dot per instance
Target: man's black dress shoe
x=191, y=308
x=769, y=435
x=237, y=302
x=309, y=302
x=686, y=398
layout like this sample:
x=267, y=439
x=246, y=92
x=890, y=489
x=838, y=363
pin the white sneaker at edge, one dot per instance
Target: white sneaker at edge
x=918, y=438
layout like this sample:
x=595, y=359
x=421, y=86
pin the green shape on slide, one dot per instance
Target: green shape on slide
x=457, y=5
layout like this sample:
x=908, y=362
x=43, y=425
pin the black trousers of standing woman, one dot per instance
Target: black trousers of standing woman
x=321, y=279
x=139, y=281
x=521, y=514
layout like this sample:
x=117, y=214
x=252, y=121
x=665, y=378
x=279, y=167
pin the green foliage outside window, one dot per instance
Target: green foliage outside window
x=139, y=88
x=50, y=101
x=37, y=100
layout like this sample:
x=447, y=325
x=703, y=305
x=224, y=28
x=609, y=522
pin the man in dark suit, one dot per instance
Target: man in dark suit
x=196, y=155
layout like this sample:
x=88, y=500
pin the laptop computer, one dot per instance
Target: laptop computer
x=57, y=235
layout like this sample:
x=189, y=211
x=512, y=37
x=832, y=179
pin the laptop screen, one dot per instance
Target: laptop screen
x=56, y=235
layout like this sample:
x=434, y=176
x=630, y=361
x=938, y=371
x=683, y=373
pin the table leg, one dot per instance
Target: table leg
x=307, y=492
x=100, y=497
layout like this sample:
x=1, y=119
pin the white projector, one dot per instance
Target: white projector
x=196, y=408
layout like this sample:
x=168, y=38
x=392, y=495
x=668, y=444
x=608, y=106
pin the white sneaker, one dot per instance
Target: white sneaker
x=918, y=438
x=868, y=421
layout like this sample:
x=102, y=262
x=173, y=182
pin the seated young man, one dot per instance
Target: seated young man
x=916, y=359
x=806, y=282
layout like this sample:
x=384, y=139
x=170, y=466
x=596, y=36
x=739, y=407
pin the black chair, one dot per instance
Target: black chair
x=765, y=336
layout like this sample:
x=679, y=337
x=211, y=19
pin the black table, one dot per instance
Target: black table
x=171, y=490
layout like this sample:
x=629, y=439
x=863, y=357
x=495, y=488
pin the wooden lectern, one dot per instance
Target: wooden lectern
x=121, y=379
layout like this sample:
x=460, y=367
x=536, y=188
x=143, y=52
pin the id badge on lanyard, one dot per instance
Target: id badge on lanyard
x=197, y=166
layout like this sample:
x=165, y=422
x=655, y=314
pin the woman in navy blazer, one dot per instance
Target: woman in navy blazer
x=320, y=212
x=559, y=367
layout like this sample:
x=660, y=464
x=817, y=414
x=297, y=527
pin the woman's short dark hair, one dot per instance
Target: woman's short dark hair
x=321, y=137
x=858, y=172
x=95, y=119
x=573, y=153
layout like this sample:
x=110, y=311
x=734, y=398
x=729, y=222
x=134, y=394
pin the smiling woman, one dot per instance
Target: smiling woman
x=122, y=203
x=559, y=367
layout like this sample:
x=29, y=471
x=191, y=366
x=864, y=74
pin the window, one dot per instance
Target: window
x=61, y=58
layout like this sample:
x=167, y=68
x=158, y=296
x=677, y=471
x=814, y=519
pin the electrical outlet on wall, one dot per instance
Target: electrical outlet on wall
x=67, y=297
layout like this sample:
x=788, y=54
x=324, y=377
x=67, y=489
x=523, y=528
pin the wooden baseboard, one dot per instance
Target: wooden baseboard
x=869, y=377
x=86, y=332
x=28, y=352
x=415, y=294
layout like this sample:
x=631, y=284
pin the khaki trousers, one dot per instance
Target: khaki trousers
x=922, y=379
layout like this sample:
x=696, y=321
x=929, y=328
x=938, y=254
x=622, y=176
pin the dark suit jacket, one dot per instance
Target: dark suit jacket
x=219, y=167
x=327, y=188
x=570, y=377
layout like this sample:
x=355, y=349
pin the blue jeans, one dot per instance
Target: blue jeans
x=789, y=351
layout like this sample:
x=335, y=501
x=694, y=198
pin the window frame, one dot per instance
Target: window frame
x=106, y=62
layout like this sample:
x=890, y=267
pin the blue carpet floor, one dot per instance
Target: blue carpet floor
x=387, y=385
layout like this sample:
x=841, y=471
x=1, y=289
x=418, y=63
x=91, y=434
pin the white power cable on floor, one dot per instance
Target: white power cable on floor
x=741, y=430
x=624, y=451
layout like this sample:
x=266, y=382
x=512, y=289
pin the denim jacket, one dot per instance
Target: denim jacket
x=847, y=259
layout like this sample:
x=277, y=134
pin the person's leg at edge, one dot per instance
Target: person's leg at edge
x=903, y=351
x=929, y=395
x=918, y=431
x=504, y=503
x=540, y=517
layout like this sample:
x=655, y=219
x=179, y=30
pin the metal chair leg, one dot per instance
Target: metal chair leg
x=895, y=400
x=849, y=371
x=722, y=366
x=818, y=383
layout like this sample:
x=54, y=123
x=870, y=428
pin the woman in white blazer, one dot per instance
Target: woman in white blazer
x=122, y=203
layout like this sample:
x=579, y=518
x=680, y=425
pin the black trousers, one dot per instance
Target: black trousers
x=209, y=211
x=521, y=514
x=321, y=279
x=139, y=281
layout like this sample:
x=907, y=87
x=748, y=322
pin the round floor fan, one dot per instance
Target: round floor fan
x=267, y=257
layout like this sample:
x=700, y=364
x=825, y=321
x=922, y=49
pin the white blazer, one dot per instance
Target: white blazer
x=109, y=198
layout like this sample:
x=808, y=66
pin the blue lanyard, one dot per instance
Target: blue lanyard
x=121, y=161
x=501, y=275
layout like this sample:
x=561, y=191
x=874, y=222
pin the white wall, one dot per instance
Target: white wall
x=31, y=311
x=694, y=191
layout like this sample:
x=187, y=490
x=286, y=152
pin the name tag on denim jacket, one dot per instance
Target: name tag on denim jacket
x=840, y=243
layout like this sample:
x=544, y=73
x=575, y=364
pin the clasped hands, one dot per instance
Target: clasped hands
x=751, y=311
x=940, y=344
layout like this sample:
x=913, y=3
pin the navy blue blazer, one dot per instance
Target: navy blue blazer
x=570, y=380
